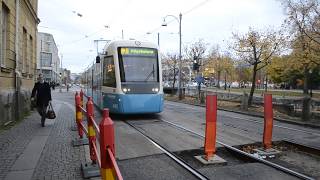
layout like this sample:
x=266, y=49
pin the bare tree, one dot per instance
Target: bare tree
x=304, y=18
x=196, y=49
x=303, y=23
x=170, y=66
x=255, y=48
x=221, y=63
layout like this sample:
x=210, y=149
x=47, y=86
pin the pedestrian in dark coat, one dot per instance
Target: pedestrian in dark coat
x=41, y=93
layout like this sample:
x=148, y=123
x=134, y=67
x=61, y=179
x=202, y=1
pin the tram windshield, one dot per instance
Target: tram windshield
x=138, y=64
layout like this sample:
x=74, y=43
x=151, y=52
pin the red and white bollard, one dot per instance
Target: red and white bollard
x=91, y=131
x=78, y=115
x=106, y=142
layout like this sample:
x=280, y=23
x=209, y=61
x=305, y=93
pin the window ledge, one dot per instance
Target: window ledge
x=5, y=69
x=24, y=74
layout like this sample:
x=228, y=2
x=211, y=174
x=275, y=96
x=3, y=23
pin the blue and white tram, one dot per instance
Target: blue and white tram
x=128, y=78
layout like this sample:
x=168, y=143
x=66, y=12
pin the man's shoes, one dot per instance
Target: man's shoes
x=42, y=121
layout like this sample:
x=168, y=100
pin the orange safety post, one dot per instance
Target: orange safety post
x=268, y=121
x=78, y=115
x=106, y=141
x=91, y=131
x=211, y=121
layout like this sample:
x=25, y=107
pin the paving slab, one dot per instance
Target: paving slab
x=168, y=136
x=130, y=143
x=155, y=167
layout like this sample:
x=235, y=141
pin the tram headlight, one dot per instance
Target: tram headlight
x=155, y=89
x=126, y=90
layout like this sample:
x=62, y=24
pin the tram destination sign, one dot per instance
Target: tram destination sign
x=138, y=51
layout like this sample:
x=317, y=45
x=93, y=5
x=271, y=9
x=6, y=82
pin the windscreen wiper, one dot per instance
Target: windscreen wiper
x=149, y=75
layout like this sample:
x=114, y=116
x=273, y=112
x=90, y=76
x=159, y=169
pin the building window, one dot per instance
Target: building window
x=109, y=78
x=24, y=50
x=4, y=33
x=30, y=53
x=45, y=59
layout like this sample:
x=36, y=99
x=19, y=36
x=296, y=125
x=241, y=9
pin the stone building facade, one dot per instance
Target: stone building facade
x=18, y=40
x=48, y=61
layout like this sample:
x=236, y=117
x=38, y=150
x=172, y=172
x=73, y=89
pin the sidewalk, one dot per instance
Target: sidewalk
x=29, y=151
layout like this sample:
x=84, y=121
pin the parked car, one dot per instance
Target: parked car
x=194, y=84
x=234, y=84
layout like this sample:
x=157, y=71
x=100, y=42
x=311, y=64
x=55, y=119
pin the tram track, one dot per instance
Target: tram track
x=178, y=160
x=233, y=149
x=173, y=155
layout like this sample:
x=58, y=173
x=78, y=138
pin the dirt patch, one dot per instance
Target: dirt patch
x=292, y=156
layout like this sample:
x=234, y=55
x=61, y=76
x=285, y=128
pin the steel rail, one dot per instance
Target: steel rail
x=172, y=156
x=284, y=169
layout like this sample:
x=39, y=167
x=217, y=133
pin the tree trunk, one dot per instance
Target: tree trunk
x=306, y=102
x=305, y=80
x=174, y=81
x=253, y=84
x=225, y=81
x=219, y=73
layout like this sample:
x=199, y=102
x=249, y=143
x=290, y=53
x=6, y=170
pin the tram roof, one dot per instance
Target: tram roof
x=130, y=43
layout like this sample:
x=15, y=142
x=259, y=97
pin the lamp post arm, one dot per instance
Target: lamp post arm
x=175, y=17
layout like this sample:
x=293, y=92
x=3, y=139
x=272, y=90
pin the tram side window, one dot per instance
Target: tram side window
x=109, y=78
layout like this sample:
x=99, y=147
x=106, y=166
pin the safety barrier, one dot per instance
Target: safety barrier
x=268, y=121
x=106, y=162
x=211, y=120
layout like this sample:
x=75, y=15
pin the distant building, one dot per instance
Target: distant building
x=65, y=76
x=76, y=78
x=48, y=61
x=18, y=37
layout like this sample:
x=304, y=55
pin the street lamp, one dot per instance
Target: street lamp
x=179, y=74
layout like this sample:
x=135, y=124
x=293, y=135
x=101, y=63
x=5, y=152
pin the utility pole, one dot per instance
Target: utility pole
x=61, y=75
x=180, y=56
x=158, y=39
x=122, y=34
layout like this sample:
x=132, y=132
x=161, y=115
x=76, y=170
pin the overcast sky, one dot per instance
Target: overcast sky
x=211, y=20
